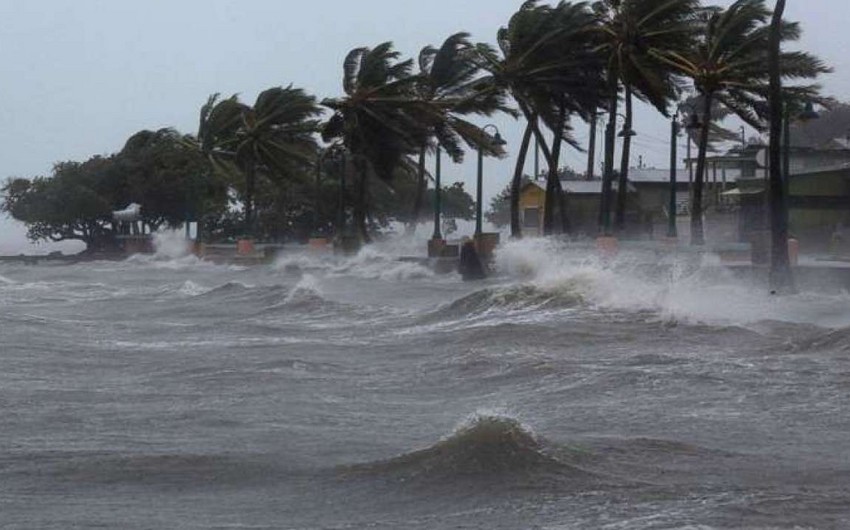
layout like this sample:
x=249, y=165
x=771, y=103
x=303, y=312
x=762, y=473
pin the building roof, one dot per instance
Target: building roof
x=589, y=187
x=580, y=187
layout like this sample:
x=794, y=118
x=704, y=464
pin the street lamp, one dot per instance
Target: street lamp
x=692, y=124
x=495, y=140
x=627, y=133
x=627, y=130
x=320, y=160
x=438, y=196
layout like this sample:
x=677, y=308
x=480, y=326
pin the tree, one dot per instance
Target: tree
x=728, y=63
x=632, y=32
x=273, y=139
x=75, y=203
x=449, y=82
x=500, y=213
x=456, y=202
x=781, y=277
x=546, y=61
x=378, y=120
x=168, y=178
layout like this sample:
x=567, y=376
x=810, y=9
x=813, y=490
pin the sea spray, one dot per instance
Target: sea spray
x=171, y=244
x=687, y=287
x=190, y=288
x=307, y=289
x=377, y=263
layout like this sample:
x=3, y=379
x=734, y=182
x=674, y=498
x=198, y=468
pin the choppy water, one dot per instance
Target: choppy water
x=321, y=393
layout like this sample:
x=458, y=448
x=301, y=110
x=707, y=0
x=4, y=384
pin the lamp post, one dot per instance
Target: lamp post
x=320, y=160
x=437, y=196
x=693, y=124
x=591, y=148
x=496, y=140
x=672, y=231
x=626, y=133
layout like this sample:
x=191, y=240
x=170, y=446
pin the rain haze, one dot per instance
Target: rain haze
x=81, y=77
x=298, y=368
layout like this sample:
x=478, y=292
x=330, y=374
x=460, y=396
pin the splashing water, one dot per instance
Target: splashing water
x=171, y=244
x=677, y=287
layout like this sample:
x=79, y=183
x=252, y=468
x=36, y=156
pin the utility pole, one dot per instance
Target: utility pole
x=671, y=206
x=591, y=148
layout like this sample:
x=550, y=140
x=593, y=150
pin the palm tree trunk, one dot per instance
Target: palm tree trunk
x=516, y=182
x=250, y=182
x=421, y=185
x=781, y=276
x=608, y=170
x=622, y=188
x=361, y=203
x=553, y=181
x=697, y=229
x=548, y=155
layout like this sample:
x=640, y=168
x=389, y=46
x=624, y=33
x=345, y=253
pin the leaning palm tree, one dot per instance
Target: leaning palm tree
x=781, y=277
x=450, y=86
x=729, y=63
x=632, y=32
x=272, y=138
x=377, y=120
x=545, y=60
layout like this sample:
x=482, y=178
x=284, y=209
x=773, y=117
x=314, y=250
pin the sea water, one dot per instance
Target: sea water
x=323, y=392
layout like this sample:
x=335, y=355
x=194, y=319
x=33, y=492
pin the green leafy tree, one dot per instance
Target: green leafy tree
x=456, y=202
x=169, y=179
x=499, y=213
x=75, y=203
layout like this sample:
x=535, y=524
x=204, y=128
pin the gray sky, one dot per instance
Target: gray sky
x=81, y=76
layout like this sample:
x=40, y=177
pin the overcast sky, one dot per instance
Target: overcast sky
x=81, y=76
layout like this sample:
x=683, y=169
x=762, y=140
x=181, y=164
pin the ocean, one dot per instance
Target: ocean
x=323, y=392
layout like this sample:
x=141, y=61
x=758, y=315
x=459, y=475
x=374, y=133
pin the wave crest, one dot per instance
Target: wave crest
x=486, y=445
x=513, y=298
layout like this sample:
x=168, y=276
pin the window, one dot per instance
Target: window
x=531, y=218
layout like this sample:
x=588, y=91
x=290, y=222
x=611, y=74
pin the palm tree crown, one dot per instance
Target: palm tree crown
x=728, y=63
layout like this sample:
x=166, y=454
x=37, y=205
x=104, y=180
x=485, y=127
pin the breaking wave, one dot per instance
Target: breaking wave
x=485, y=445
x=686, y=287
x=375, y=264
x=513, y=298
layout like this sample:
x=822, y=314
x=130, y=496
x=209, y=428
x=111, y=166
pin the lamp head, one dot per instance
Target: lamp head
x=809, y=113
x=693, y=122
x=498, y=140
x=626, y=132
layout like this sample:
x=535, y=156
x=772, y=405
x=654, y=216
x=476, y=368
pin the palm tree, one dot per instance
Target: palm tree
x=632, y=33
x=378, y=118
x=728, y=63
x=545, y=60
x=272, y=138
x=781, y=276
x=449, y=83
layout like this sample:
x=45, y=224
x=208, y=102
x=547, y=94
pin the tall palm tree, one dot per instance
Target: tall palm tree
x=545, y=60
x=271, y=138
x=728, y=63
x=781, y=277
x=632, y=32
x=377, y=118
x=449, y=83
